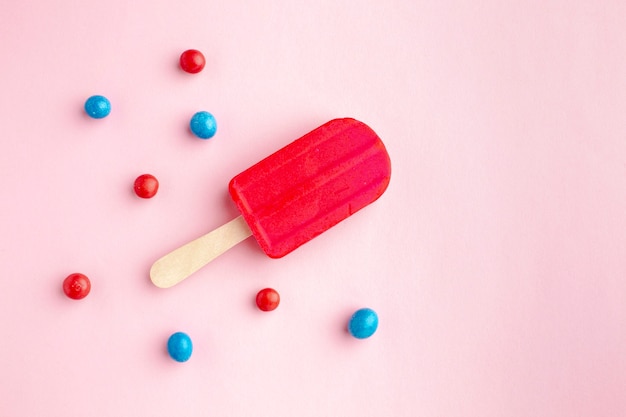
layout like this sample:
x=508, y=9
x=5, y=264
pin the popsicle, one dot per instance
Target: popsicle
x=292, y=196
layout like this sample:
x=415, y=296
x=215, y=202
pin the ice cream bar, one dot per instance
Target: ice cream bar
x=292, y=196
x=312, y=184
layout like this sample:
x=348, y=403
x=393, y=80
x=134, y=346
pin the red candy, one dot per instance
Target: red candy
x=146, y=186
x=192, y=61
x=76, y=286
x=267, y=299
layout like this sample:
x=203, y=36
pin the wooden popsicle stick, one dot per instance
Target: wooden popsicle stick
x=184, y=261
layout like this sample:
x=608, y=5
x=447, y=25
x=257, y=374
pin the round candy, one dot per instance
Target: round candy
x=192, y=61
x=179, y=347
x=203, y=125
x=267, y=299
x=363, y=323
x=146, y=186
x=98, y=107
x=76, y=286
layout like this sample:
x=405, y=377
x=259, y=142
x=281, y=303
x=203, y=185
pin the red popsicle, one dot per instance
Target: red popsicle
x=292, y=196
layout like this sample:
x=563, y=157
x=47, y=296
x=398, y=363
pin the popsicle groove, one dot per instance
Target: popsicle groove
x=310, y=184
x=338, y=206
x=342, y=143
x=314, y=187
x=338, y=128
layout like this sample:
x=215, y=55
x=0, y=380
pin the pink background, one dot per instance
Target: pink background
x=495, y=259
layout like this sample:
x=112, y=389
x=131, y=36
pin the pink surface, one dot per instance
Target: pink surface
x=495, y=259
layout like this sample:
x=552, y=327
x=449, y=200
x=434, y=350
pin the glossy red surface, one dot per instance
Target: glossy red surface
x=146, y=186
x=76, y=286
x=267, y=299
x=192, y=61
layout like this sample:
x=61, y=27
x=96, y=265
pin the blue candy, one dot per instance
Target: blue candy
x=203, y=125
x=363, y=323
x=98, y=107
x=179, y=346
